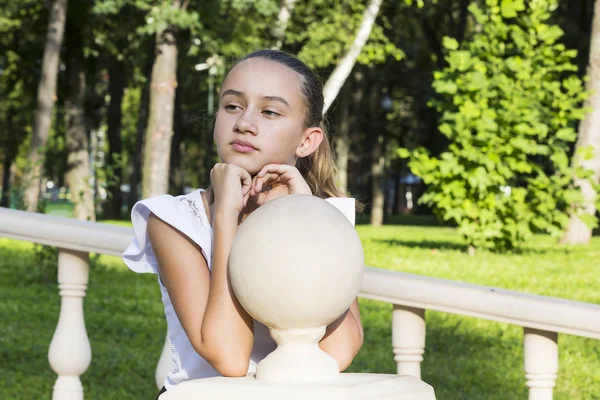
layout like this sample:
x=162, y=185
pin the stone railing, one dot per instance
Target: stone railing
x=543, y=318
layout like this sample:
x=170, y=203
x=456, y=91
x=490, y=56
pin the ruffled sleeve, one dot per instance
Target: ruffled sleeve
x=184, y=213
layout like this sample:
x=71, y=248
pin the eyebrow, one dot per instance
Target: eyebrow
x=241, y=94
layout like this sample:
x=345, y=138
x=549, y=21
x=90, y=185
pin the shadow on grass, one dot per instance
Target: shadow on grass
x=401, y=219
x=424, y=244
x=446, y=245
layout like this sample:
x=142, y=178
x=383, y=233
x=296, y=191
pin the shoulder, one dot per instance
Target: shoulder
x=164, y=216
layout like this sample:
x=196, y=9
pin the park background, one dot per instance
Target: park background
x=467, y=128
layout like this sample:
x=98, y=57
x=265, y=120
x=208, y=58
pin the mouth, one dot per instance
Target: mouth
x=243, y=146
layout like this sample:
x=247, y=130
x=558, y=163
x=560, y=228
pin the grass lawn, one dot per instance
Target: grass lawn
x=465, y=358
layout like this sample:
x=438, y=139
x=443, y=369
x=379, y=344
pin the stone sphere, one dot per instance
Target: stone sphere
x=296, y=262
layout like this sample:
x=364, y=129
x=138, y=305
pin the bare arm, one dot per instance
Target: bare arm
x=344, y=337
x=218, y=329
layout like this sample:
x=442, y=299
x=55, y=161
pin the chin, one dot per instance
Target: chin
x=251, y=166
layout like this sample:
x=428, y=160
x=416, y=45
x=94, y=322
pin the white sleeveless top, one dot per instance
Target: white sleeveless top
x=187, y=214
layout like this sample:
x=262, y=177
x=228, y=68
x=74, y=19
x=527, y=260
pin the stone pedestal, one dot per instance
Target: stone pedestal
x=296, y=265
x=345, y=387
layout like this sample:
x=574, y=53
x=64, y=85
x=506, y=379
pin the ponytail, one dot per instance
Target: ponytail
x=320, y=170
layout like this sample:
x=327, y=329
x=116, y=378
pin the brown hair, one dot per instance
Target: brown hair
x=318, y=169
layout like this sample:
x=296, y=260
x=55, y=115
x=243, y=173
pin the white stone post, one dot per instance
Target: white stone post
x=70, y=353
x=408, y=339
x=541, y=362
x=296, y=294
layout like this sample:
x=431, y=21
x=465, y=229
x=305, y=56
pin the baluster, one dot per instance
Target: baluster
x=70, y=353
x=408, y=339
x=164, y=363
x=541, y=362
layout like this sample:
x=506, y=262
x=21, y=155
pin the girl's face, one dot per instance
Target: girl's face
x=260, y=119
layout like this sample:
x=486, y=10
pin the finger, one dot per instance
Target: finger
x=279, y=169
x=253, y=186
x=245, y=199
x=260, y=199
x=271, y=178
x=246, y=180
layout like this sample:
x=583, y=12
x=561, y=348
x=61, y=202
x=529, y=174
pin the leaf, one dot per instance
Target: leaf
x=589, y=220
x=450, y=43
x=403, y=152
x=510, y=8
x=566, y=134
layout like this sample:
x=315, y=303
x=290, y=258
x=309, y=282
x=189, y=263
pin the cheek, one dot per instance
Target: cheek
x=219, y=127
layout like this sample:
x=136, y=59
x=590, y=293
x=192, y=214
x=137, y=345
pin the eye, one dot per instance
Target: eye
x=271, y=113
x=232, y=107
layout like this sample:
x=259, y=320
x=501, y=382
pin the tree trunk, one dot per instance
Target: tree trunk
x=136, y=176
x=589, y=135
x=160, y=121
x=283, y=19
x=176, y=181
x=342, y=139
x=6, y=164
x=344, y=68
x=377, y=180
x=116, y=89
x=355, y=124
x=377, y=160
x=462, y=20
x=77, y=175
x=46, y=96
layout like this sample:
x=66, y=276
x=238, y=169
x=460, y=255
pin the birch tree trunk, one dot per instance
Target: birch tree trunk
x=46, y=96
x=578, y=232
x=283, y=19
x=157, y=146
x=342, y=70
x=78, y=166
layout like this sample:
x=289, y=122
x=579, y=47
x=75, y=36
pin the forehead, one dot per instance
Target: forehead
x=261, y=77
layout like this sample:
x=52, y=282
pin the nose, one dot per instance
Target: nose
x=245, y=123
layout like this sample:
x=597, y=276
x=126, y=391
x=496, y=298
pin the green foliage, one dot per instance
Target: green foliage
x=233, y=28
x=160, y=15
x=22, y=40
x=509, y=101
x=327, y=29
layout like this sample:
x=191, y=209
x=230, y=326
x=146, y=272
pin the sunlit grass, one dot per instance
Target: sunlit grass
x=465, y=358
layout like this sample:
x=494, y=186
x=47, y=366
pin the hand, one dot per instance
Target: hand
x=276, y=180
x=231, y=186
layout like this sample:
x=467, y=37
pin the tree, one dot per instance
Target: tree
x=283, y=18
x=78, y=166
x=45, y=100
x=22, y=28
x=155, y=179
x=509, y=102
x=344, y=67
x=117, y=71
x=125, y=50
x=334, y=37
x=579, y=230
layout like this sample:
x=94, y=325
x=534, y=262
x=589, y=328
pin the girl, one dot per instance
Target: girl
x=271, y=143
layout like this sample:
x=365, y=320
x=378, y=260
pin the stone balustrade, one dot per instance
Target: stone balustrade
x=542, y=318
